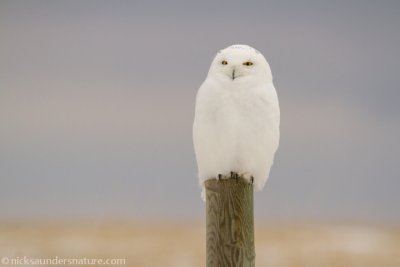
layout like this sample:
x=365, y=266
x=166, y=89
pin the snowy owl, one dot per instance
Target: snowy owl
x=236, y=123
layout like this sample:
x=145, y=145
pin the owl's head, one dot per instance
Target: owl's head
x=240, y=63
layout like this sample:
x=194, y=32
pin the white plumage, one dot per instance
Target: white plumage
x=236, y=124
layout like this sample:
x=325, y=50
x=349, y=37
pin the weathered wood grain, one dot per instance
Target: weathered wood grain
x=230, y=223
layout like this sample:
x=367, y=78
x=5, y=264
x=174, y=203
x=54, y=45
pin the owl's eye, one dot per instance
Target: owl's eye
x=248, y=63
x=224, y=62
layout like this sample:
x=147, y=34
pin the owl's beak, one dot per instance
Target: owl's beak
x=233, y=74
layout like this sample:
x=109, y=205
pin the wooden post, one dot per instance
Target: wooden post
x=230, y=223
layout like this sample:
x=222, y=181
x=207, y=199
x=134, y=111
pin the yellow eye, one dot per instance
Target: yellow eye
x=248, y=63
x=224, y=62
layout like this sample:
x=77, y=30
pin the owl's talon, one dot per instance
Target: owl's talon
x=235, y=175
x=252, y=180
x=219, y=177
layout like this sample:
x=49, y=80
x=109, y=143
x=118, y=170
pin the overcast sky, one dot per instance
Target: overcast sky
x=97, y=102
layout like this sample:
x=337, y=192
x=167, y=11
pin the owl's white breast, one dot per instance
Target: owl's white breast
x=236, y=128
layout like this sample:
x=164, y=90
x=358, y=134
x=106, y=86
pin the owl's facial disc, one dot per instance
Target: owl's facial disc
x=237, y=64
x=240, y=63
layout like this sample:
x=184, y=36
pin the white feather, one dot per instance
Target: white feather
x=236, y=124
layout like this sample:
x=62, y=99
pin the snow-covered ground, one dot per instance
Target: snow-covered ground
x=183, y=244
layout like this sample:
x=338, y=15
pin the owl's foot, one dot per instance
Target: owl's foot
x=235, y=175
x=219, y=177
x=247, y=176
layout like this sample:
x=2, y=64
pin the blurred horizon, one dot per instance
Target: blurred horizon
x=97, y=102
